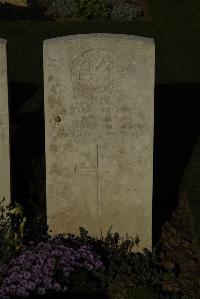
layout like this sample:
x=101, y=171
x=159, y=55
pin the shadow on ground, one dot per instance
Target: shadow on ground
x=26, y=137
x=176, y=131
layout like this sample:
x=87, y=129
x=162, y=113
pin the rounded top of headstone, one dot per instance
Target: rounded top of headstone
x=99, y=35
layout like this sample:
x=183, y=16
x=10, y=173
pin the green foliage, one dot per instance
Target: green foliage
x=125, y=11
x=124, y=267
x=12, y=227
x=19, y=222
x=39, y=4
x=89, y=9
x=83, y=282
x=62, y=8
x=132, y=275
x=141, y=292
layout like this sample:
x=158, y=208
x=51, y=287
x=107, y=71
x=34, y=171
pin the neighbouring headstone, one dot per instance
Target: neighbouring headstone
x=4, y=128
x=15, y=2
x=99, y=121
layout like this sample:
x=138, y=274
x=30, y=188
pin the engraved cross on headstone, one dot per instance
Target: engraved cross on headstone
x=96, y=169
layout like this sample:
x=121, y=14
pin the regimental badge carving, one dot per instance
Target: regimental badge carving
x=92, y=70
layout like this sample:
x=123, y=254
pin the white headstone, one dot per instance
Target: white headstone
x=99, y=112
x=4, y=128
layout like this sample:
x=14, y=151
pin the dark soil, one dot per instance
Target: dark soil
x=180, y=253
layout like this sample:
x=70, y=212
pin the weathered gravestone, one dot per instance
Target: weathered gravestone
x=99, y=112
x=15, y=2
x=4, y=128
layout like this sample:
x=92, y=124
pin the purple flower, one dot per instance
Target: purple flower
x=22, y=292
x=35, y=270
x=26, y=274
x=30, y=285
x=37, y=281
x=47, y=282
x=56, y=253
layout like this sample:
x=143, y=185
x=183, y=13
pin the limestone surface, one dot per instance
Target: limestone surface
x=99, y=113
x=4, y=128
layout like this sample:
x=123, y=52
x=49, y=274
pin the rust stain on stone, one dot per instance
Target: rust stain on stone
x=58, y=119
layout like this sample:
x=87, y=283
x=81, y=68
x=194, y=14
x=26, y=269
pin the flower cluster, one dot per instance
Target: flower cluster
x=126, y=11
x=46, y=267
x=105, y=9
x=62, y=8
